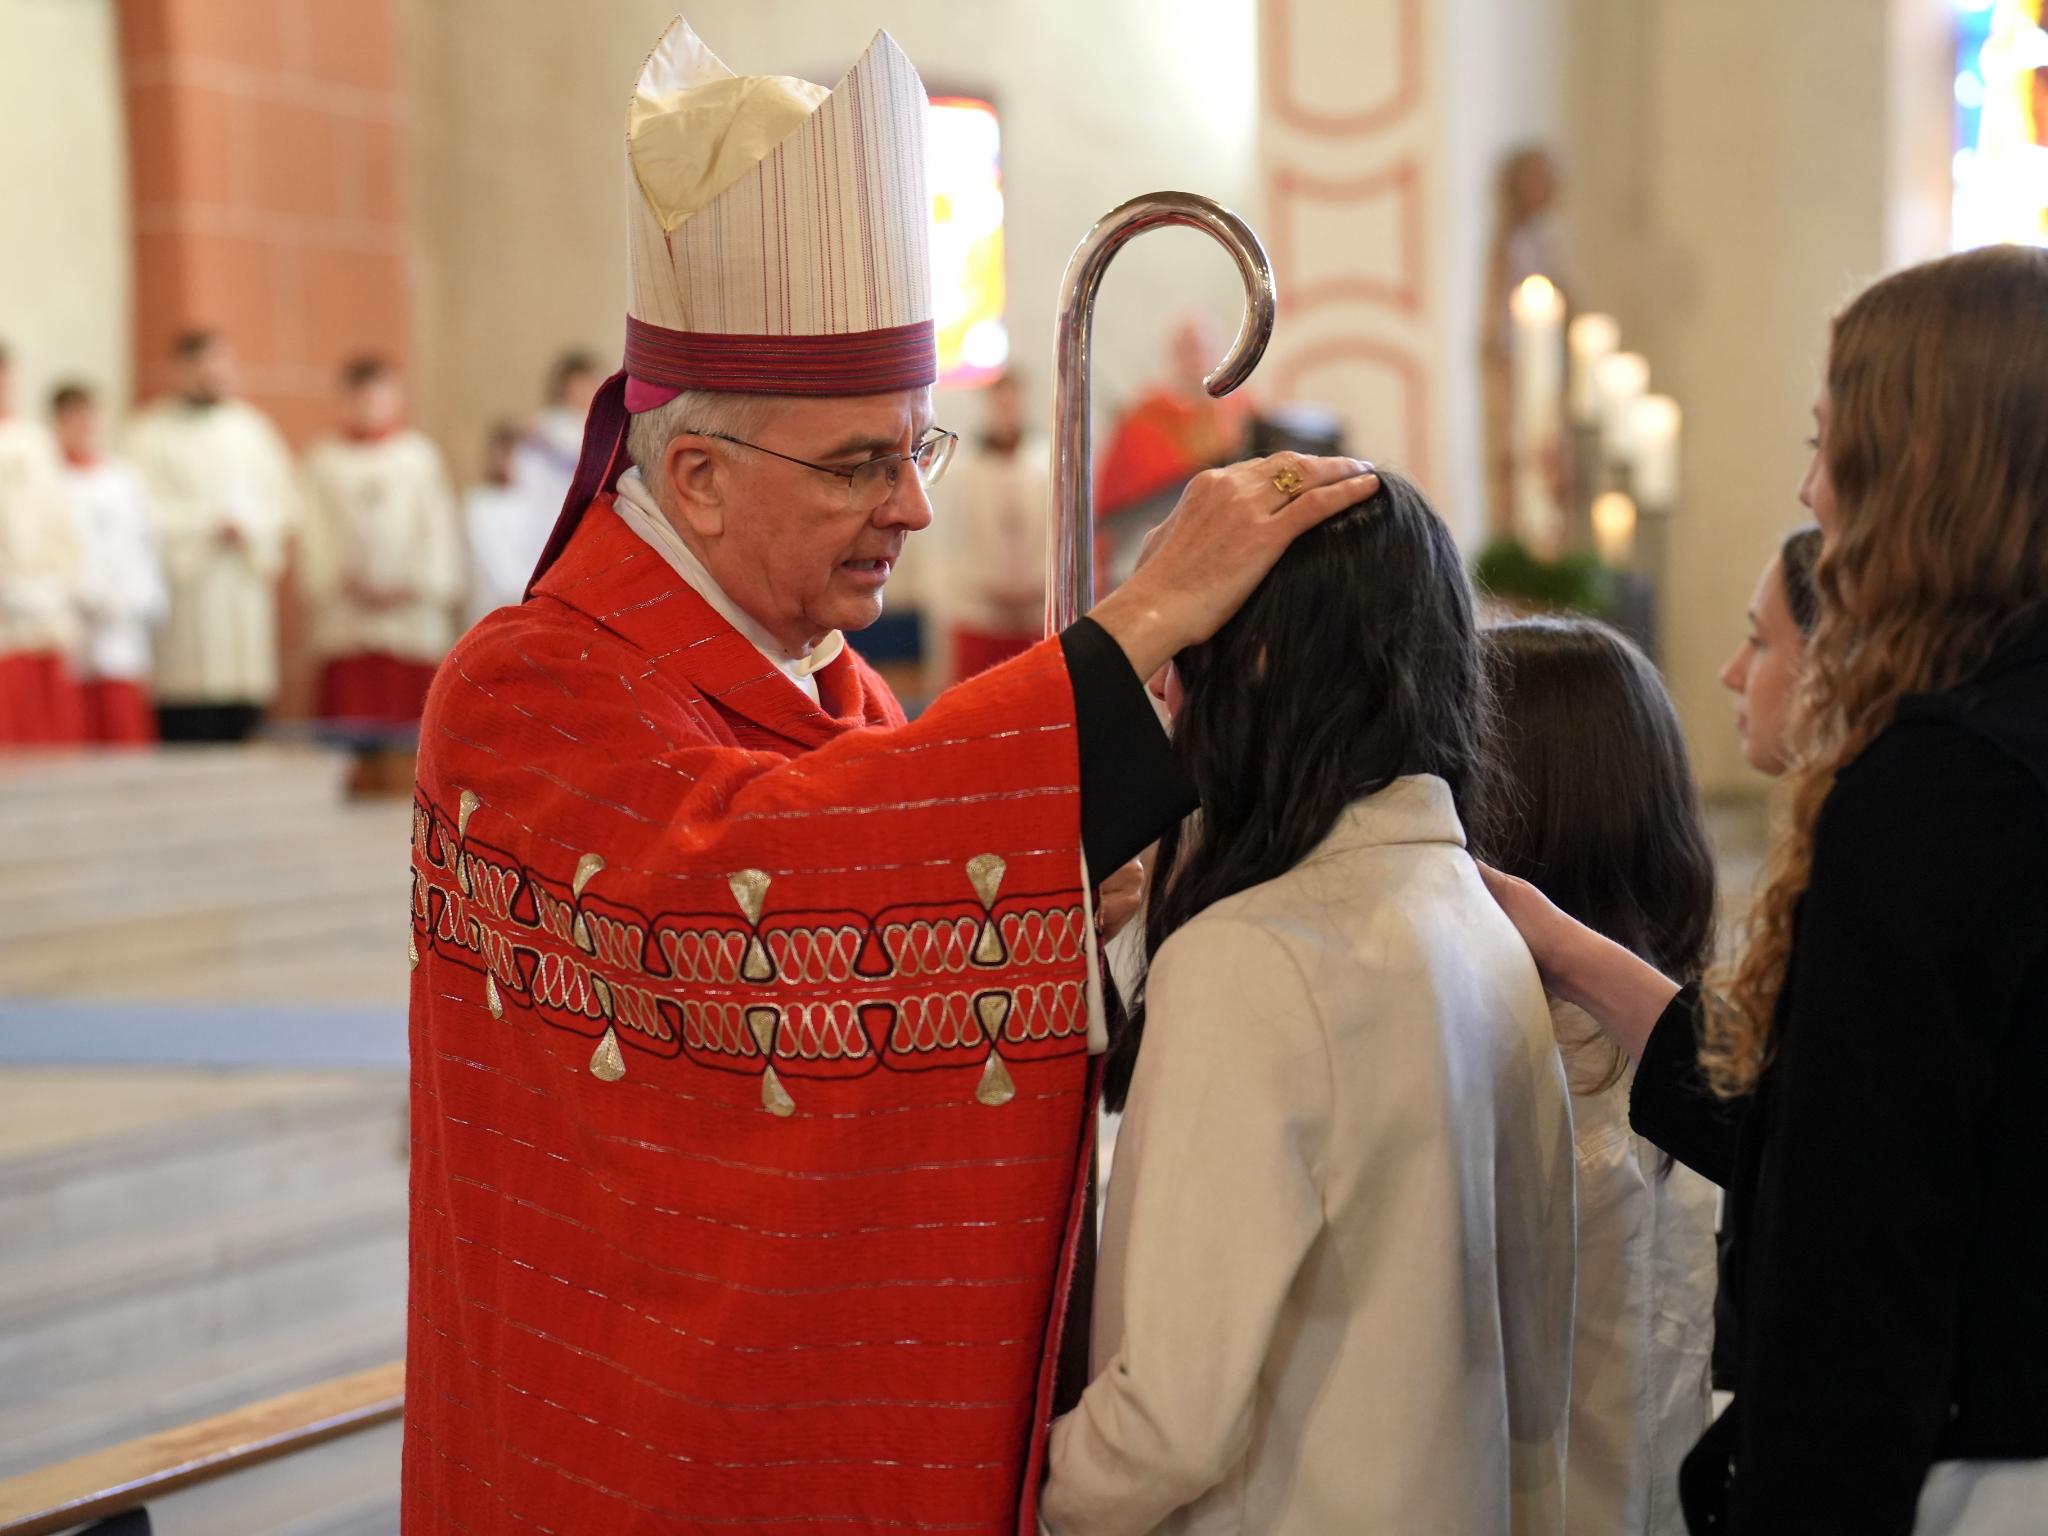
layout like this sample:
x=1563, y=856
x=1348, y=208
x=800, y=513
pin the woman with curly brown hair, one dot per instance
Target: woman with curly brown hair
x=1869, y=1084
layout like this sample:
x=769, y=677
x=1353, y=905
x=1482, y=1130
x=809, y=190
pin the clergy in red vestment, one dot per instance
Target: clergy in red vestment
x=751, y=1025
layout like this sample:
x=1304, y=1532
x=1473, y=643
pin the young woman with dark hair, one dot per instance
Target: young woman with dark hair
x=1336, y=1273
x=1592, y=800
x=1766, y=670
x=1869, y=1083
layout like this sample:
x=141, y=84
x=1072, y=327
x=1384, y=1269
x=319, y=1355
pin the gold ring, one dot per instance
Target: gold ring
x=1288, y=481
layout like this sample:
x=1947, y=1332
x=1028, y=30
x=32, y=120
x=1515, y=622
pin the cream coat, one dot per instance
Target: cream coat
x=1643, y=1329
x=381, y=516
x=40, y=568
x=1335, y=1290
x=220, y=478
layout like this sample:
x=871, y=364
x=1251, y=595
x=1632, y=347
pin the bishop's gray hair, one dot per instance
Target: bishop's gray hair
x=649, y=433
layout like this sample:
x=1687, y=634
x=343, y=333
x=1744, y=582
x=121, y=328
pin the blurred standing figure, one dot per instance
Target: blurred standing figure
x=39, y=570
x=494, y=513
x=1174, y=432
x=121, y=591
x=543, y=463
x=381, y=561
x=994, y=589
x=220, y=477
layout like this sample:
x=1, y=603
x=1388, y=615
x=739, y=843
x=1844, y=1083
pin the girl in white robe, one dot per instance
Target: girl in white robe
x=1592, y=799
x=1335, y=1285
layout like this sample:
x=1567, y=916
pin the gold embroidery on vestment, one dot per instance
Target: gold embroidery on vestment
x=750, y=890
x=774, y=1097
x=491, y=999
x=586, y=867
x=608, y=1062
x=986, y=871
x=997, y=1088
x=466, y=808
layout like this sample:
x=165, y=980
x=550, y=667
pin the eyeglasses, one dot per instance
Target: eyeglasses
x=874, y=481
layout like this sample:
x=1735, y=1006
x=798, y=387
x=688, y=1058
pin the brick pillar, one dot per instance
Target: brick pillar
x=265, y=173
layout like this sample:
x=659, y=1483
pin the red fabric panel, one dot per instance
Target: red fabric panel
x=849, y=363
x=976, y=650
x=375, y=688
x=118, y=713
x=40, y=705
x=655, y=1304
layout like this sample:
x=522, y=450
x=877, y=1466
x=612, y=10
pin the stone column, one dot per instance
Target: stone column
x=265, y=173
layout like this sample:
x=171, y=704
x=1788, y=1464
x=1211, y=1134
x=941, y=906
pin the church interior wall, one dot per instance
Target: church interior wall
x=64, y=270
x=1731, y=181
x=517, y=108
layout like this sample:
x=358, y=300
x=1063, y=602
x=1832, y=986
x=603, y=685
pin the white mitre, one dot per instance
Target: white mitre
x=778, y=234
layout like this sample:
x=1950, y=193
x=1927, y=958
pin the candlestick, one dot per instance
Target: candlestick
x=1622, y=378
x=1653, y=445
x=1591, y=337
x=1614, y=530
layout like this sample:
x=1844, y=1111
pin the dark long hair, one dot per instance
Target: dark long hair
x=1353, y=663
x=1797, y=557
x=1592, y=799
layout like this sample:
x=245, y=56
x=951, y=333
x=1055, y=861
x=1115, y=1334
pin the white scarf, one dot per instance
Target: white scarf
x=640, y=512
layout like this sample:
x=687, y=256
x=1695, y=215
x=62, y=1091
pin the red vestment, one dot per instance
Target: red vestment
x=118, y=713
x=40, y=705
x=375, y=688
x=797, y=1268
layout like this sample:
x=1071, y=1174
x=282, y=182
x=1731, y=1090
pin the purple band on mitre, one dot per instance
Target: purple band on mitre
x=661, y=364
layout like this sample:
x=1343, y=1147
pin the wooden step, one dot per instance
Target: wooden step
x=94, y=1410
x=133, y=1298
x=199, y=1160
x=76, y=960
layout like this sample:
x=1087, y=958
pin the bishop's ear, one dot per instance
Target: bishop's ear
x=695, y=485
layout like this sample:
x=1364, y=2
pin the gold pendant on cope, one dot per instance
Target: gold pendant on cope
x=608, y=1062
x=985, y=873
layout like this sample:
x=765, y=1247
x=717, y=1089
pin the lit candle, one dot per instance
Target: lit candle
x=1622, y=378
x=1653, y=445
x=1590, y=338
x=1614, y=530
x=1537, y=309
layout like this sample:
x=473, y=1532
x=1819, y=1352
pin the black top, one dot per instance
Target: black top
x=1888, y=1180
x=1133, y=787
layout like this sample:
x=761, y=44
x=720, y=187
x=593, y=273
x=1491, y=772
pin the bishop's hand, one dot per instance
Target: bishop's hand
x=1229, y=528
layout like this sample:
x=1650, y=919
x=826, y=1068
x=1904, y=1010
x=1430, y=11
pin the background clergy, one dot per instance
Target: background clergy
x=750, y=1024
x=220, y=476
x=39, y=580
x=380, y=558
x=121, y=592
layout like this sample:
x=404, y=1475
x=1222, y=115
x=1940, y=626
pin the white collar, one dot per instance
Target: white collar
x=640, y=512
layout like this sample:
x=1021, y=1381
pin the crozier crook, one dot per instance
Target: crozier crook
x=1070, y=555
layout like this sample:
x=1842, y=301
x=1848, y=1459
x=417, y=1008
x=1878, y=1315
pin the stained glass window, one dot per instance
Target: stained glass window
x=2001, y=164
x=963, y=152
